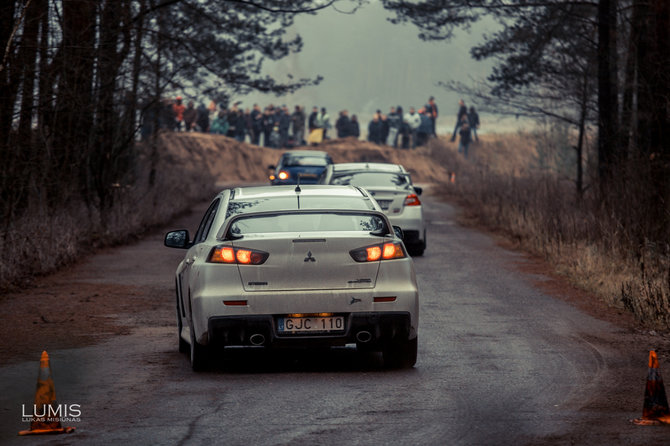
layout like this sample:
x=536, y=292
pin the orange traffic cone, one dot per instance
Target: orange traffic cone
x=452, y=177
x=655, y=410
x=44, y=420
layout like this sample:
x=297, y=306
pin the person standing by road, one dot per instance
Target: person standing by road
x=466, y=137
x=190, y=114
x=431, y=111
x=413, y=121
x=394, y=122
x=256, y=118
x=178, y=110
x=323, y=121
x=342, y=124
x=375, y=129
x=462, y=111
x=354, y=128
x=202, y=119
x=298, y=125
x=473, y=119
x=311, y=122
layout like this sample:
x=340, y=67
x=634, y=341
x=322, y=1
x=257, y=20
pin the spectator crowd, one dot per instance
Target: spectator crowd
x=278, y=127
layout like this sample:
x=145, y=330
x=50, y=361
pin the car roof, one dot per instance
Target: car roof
x=369, y=167
x=317, y=153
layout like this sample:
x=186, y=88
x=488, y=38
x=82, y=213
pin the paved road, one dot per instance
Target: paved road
x=500, y=363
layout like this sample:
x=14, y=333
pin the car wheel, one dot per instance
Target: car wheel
x=417, y=249
x=199, y=353
x=401, y=354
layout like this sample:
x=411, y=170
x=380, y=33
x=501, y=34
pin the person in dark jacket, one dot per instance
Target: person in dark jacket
x=385, y=127
x=425, y=128
x=343, y=124
x=298, y=125
x=394, y=123
x=462, y=111
x=268, y=124
x=354, y=128
x=375, y=130
x=431, y=109
x=190, y=114
x=311, y=122
x=256, y=118
x=465, y=137
x=202, y=120
x=284, y=125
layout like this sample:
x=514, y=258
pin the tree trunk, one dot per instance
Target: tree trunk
x=607, y=92
x=73, y=118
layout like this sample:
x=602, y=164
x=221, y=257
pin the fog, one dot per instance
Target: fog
x=369, y=63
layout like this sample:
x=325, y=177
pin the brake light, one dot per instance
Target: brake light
x=382, y=251
x=412, y=200
x=283, y=175
x=228, y=254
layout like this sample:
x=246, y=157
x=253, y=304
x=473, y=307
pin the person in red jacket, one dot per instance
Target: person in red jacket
x=178, y=109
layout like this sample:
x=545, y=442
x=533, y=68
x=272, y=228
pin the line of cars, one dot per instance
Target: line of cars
x=318, y=258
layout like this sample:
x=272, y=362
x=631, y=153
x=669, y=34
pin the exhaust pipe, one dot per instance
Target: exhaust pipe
x=363, y=336
x=257, y=339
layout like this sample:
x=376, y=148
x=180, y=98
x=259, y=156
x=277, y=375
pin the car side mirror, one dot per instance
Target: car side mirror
x=398, y=232
x=418, y=190
x=178, y=239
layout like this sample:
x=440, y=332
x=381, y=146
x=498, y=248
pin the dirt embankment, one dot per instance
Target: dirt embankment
x=231, y=161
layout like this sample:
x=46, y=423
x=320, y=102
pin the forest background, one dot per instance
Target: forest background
x=77, y=78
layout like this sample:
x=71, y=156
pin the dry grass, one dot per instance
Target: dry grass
x=502, y=188
x=44, y=239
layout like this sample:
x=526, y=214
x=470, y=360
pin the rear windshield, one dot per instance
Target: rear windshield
x=307, y=222
x=367, y=179
x=293, y=161
x=298, y=202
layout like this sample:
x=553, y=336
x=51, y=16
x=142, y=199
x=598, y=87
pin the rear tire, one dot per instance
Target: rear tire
x=199, y=353
x=401, y=354
x=418, y=249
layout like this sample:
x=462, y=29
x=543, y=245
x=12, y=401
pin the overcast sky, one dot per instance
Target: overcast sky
x=368, y=64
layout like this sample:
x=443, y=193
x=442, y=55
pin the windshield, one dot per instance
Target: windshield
x=369, y=179
x=307, y=222
x=317, y=161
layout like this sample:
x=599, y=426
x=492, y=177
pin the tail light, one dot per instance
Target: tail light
x=382, y=251
x=412, y=200
x=283, y=175
x=242, y=256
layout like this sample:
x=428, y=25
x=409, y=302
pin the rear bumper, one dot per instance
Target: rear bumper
x=411, y=220
x=382, y=327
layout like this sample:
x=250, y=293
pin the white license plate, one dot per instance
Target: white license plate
x=310, y=324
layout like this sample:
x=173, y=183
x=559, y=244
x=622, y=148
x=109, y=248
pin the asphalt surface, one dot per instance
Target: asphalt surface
x=500, y=363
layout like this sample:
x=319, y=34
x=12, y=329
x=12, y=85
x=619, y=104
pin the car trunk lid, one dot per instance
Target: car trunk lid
x=309, y=261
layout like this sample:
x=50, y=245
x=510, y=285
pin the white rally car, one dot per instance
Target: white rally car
x=391, y=186
x=296, y=266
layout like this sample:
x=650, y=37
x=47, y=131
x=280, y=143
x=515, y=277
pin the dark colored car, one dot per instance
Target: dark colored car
x=306, y=165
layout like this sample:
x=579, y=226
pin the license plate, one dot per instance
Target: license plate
x=310, y=324
x=384, y=204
